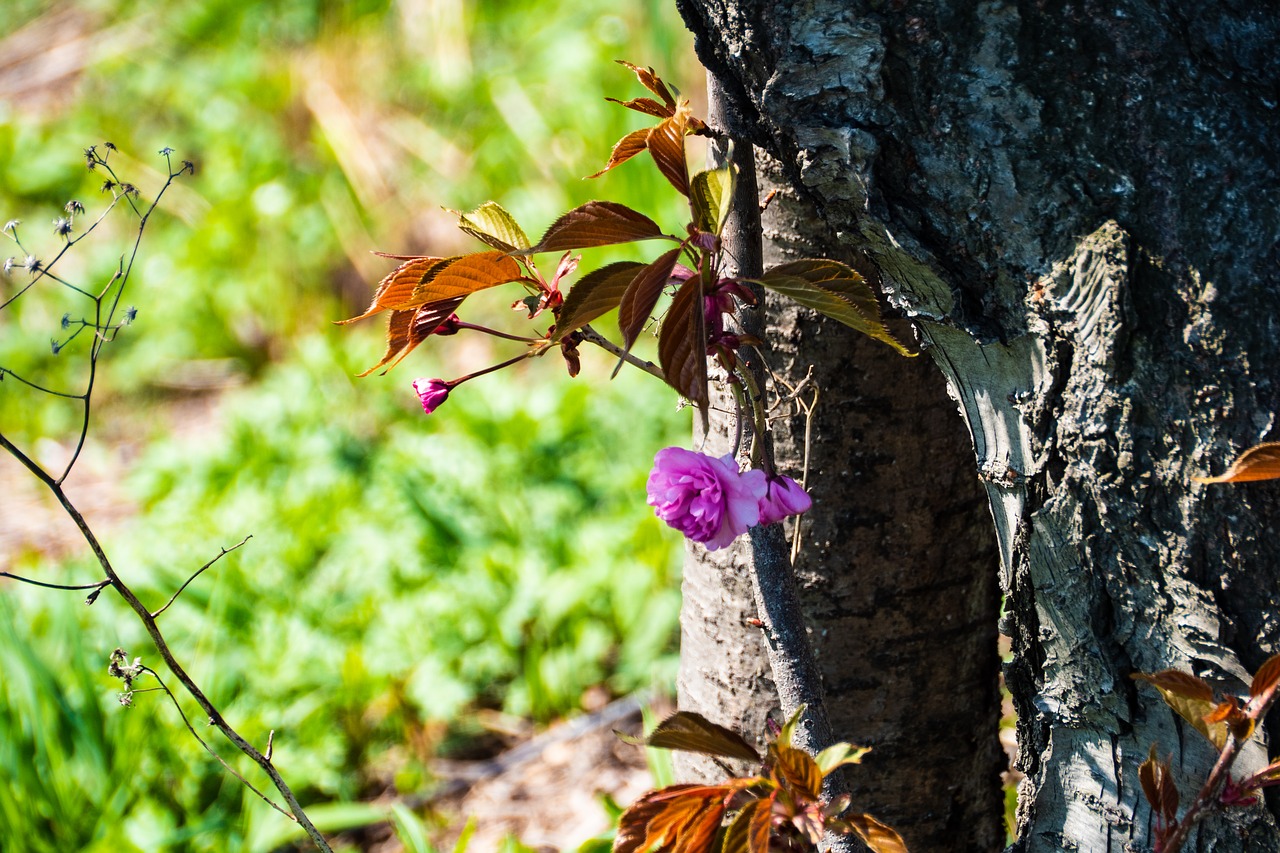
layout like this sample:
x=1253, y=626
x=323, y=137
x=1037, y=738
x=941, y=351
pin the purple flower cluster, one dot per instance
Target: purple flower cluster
x=710, y=501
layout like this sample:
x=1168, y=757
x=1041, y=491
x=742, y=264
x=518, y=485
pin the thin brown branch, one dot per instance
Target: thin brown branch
x=186, y=722
x=590, y=335
x=97, y=585
x=222, y=553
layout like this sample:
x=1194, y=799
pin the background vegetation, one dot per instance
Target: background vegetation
x=405, y=572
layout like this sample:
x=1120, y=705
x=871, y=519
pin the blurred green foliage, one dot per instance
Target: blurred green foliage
x=404, y=571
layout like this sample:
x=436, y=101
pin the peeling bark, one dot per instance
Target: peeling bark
x=1078, y=205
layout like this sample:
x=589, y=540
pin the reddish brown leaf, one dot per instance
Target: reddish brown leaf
x=799, y=771
x=596, y=223
x=1268, y=675
x=395, y=292
x=648, y=106
x=682, y=346
x=692, y=732
x=642, y=295
x=626, y=148
x=398, y=325
x=652, y=82
x=407, y=329
x=1158, y=787
x=1260, y=462
x=666, y=146
x=463, y=276
x=598, y=292
x=749, y=830
x=1181, y=683
x=879, y=837
x=1191, y=697
x=679, y=819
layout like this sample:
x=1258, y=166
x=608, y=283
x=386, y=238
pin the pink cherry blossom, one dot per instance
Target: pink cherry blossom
x=783, y=497
x=705, y=498
x=432, y=393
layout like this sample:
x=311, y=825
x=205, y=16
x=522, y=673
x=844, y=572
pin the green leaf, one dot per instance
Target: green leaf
x=642, y=295
x=598, y=292
x=749, y=830
x=834, y=289
x=838, y=755
x=710, y=195
x=789, y=728
x=691, y=732
x=410, y=831
x=596, y=223
x=492, y=225
x=682, y=346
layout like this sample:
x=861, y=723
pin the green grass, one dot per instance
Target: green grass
x=404, y=570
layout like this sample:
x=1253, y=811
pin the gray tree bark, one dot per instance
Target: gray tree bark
x=899, y=583
x=1078, y=204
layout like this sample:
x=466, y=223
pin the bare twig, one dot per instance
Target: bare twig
x=95, y=585
x=106, y=306
x=222, y=553
x=186, y=722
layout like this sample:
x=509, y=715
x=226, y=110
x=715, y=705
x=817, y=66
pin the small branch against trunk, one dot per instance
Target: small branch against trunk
x=795, y=670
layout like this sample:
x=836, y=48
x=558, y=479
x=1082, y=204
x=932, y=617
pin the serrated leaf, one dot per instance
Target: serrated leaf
x=642, y=295
x=798, y=770
x=466, y=275
x=1182, y=683
x=666, y=146
x=492, y=225
x=680, y=819
x=596, y=293
x=682, y=345
x=710, y=195
x=397, y=338
x=407, y=329
x=1191, y=697
x=395, y=291
x=691, y=732
x=748, y=832
x=1157, y=785
x=1268, y=675
x=652, y=82
x=879, y=837
x=1260, y=462
x=833, y=289
x=596, y=223
x=648, y=106
x=627, y=147
x=838, y=755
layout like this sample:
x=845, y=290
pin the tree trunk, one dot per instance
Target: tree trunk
x=899, y=584
x=1078, y=204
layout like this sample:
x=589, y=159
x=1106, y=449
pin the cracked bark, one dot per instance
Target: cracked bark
x=1078, y=206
